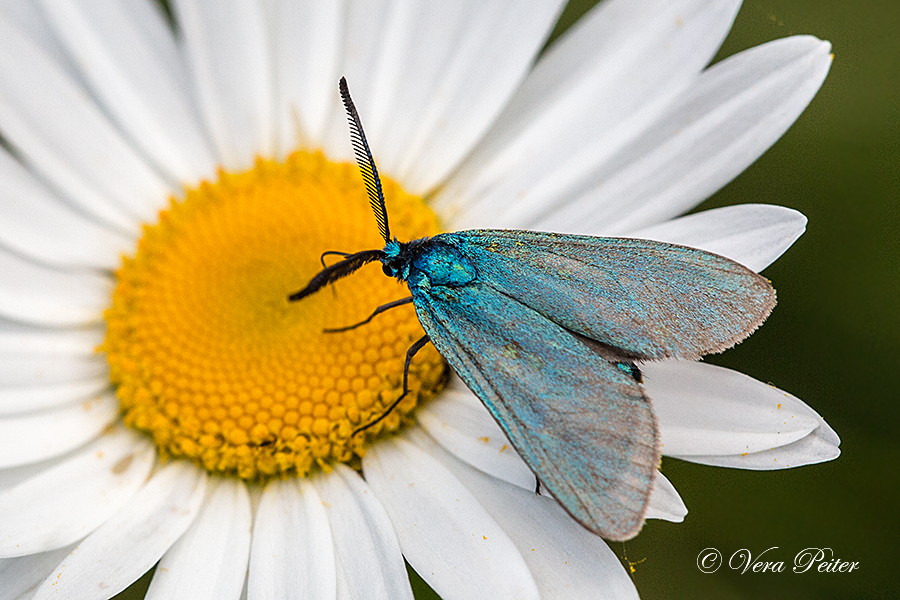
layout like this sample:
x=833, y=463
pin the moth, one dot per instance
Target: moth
x=548, y=331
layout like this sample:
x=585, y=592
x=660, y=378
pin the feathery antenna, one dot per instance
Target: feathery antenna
x=366, y=162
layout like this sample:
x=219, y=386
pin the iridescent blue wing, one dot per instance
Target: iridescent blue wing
x=649, y=299
x=581, y=423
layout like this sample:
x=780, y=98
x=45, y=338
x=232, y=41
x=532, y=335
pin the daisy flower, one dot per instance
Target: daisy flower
x=164, y=184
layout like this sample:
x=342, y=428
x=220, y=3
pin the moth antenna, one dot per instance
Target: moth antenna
x=366, y=162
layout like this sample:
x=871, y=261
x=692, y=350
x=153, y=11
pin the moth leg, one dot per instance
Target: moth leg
x=375, y=313
x=537, y=486
x=420, y=343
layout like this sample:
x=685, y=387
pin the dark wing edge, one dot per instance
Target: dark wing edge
x=651, y=299
x=558, y=411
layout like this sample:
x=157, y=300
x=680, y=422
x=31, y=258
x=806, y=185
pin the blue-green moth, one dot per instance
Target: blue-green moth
x=548, y=331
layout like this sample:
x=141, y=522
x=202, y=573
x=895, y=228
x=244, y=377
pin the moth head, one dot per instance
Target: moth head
x=393, y=260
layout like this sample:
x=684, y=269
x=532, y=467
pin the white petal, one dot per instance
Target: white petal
x=292, y=553
x=430, y=77
x=41, y=368
x=23, y=574
x=29, y=18
x=65, y=503
x=127, y=53
x=665, y=503
x=306, y=52
x=62, y=134
x=597, y=88
x=210, y=559
x=36, y=436
x=128, y=544
x=713, y=131
x=752, y=234
x=36, y=223
x=703, y=409
x=819, y=446
x=367, y=553
x=445, y=533
x=567, y=561
x=53, y=342
x=13, y=476
x=37, y=294
x=464, y=427
x=21, y=400
x=228, y=52
x=25, y=369
x=365, y=28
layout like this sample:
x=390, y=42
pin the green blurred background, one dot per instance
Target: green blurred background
x=833, y=340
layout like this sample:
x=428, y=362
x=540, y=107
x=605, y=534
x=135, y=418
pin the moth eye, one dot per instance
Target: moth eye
x=387, y=270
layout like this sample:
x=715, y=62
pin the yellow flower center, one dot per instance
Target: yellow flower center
x=211, y=359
